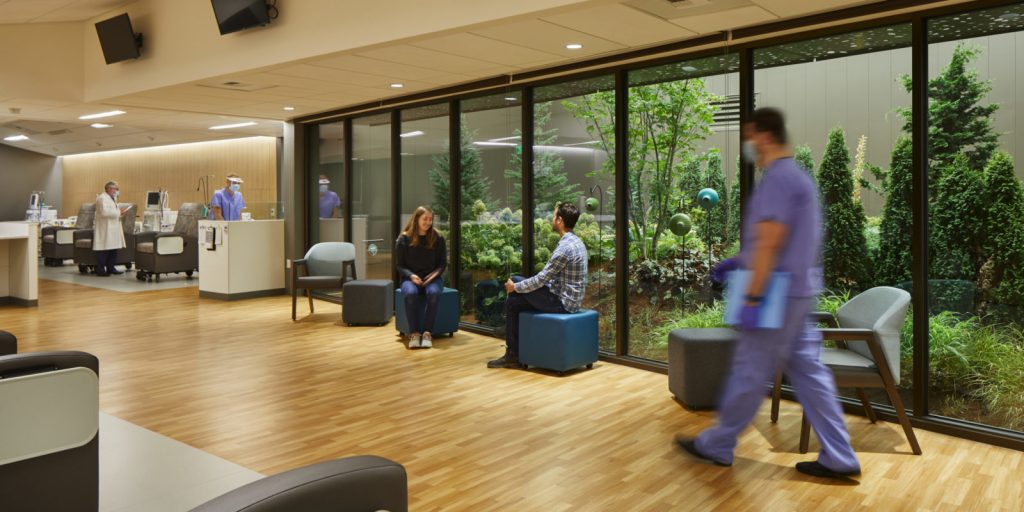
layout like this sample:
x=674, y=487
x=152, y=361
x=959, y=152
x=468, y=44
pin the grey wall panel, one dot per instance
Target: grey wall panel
x=22, y=172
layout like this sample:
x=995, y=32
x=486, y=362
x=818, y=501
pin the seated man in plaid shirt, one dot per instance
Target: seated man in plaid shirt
x=557, y=288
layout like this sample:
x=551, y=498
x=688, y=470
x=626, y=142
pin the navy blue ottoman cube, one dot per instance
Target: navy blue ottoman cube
x=557, y=341
x=447, y=321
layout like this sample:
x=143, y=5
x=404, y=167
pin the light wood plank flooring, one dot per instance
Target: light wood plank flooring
x=243, y=382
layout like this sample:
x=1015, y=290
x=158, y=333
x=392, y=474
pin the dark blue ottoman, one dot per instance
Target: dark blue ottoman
x=557, y=341
x=447, y=321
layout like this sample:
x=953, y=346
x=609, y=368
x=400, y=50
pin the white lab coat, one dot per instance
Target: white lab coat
x=107, y=233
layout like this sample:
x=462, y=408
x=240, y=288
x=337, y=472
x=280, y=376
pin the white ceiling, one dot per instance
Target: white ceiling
x=52, y=11
x=183, y=112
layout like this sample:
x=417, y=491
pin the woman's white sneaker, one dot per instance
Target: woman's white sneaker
x=427, y=340
x=414, y=340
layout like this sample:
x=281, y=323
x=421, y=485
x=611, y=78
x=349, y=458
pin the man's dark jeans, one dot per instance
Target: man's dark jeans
x=541, y=299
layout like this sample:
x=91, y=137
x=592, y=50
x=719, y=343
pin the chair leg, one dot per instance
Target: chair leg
x=294, y=296
x=309, y=295
x=901, y=414
x=776, y=396
x=868, y=410
x=805, y=433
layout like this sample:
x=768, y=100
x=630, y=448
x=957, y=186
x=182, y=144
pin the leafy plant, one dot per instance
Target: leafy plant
x=475, y=186
x=666, y=122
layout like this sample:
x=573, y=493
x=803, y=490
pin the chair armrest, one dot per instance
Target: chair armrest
x=8, y=343
x=82, y=234
x=300, y=261
x=868, y=336
x=145, y=236
x=343, y=485
x=49, y=230
x=824, y=317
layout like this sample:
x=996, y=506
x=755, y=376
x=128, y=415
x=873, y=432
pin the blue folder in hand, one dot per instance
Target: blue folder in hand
x=773, y=307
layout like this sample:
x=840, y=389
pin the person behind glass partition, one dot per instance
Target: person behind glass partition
x=330, y=203
x=227, y=203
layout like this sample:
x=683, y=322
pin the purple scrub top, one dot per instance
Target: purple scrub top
x=787, y=194
x=230, y=204
x=328, y=202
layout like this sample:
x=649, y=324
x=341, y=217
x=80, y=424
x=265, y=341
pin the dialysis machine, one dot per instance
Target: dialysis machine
x=156, y=204
x=38, y=210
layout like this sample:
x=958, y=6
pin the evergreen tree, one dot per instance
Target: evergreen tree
x=475, y=186
x=803, y=157
x=957, y=223
x=1003, y=240
x=550, y=181
x=957, y=122
x=846, y=251
x=733, y=207
x=894, y=258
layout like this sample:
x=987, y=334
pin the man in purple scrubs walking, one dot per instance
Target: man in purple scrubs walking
x=782, y=232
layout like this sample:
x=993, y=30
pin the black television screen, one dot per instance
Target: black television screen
x=235, y=15
x=117, y=39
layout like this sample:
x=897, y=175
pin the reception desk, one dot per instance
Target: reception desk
x=19, y=263
x=241, y=259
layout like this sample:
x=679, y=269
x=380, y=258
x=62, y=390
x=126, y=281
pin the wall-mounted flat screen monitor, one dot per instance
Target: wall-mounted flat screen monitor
x=117, y=39
x=235, y=15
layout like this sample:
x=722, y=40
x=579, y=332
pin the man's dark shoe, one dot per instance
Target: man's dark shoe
x=116, y=272
x=815, y=469
x=505, y=361
x=691, y=448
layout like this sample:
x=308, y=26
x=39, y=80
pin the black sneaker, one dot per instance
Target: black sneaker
x=505, y=361
x=815, y=469
x=688, y=444
x=116, y=272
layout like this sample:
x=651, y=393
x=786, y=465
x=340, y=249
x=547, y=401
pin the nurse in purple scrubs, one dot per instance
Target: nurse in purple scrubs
x=330, y=203
x=782, y=232
x=227, y=203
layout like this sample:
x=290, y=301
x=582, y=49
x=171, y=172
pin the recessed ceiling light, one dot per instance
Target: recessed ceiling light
x=289, y=108
x=573, y=46
x=235, y=125
x=689, y=69
x=101, y=125
x=511, y=98
x=397, y=86
x=15, y=138
x=112, y=113
x=415, y=133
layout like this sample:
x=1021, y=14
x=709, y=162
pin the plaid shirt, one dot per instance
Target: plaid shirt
x=565, y=273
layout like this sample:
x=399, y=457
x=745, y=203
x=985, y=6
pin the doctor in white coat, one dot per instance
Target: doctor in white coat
x=107, y=235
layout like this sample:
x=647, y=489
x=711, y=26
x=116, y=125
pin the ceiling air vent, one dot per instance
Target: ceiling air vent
x=233, y=85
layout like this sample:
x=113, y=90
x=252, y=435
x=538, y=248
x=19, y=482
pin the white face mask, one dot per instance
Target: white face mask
x=323, y=188
x=236, y=187
x=749, y=151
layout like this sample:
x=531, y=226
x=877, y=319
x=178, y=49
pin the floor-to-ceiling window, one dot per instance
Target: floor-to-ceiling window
x=976, y=217
x=574, y=161
x=371, y=196
x=845, y=101
x=683, y=139
x=326, y=183
x=425, y=169
x=491, y=205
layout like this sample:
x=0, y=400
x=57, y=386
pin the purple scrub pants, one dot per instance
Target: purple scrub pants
x=795, y=348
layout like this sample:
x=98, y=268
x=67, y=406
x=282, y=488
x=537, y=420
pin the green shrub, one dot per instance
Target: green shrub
x=957, y=223
x=1002, y=282
x=705, y=316
x=803, y=157
x=715, y=224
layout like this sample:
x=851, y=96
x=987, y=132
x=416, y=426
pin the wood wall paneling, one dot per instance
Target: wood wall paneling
x=177, y=169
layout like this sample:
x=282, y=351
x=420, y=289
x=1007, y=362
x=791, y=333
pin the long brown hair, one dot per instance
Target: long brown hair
x=412, y=229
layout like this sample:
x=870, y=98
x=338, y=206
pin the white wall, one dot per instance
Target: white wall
x=41, y=61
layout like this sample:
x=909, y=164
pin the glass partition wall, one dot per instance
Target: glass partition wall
x=325, y=188
x=683, y=133
x=893, y=192
x=491, y=216
x=574, y=161
x=844, y=97
x=976, y=217
x=371, y=196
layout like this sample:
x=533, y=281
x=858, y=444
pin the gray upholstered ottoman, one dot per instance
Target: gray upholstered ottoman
x=698, y=362
x=368, y=301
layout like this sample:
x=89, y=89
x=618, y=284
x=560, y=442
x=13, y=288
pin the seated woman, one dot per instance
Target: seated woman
x=421, y=258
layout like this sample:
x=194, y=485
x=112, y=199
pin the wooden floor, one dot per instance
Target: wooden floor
x=244, y=382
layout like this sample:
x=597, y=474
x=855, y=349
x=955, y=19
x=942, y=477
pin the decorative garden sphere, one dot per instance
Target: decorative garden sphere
x=708, y=198
x=680, y=224
x=591, y=204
